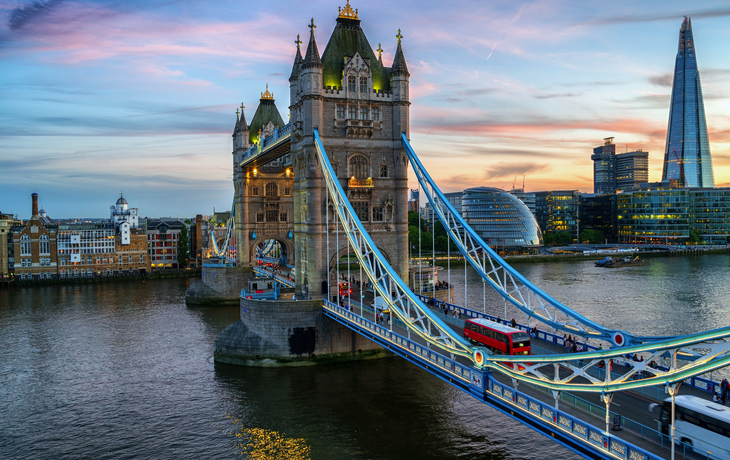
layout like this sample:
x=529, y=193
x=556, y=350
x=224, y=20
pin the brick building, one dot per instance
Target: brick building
x=34, y=246
x=162, y=239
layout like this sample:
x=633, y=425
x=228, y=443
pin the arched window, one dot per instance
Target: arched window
x=271, y=189
x=25, y=245
x=359, y=167
x=363, y=85
x=45, y=245
x=351, y=84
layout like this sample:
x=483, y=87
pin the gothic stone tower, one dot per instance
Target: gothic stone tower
x=262, y=196
x=360, y=108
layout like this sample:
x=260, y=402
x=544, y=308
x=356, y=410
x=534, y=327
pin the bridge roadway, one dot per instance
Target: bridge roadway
x=632, y=405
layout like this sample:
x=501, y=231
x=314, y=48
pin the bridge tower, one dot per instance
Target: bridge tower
x=361, y=108
x=263, y=195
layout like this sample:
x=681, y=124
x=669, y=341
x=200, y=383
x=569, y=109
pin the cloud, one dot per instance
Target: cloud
x=626, y=19
x=552, y=95
x=665, y=80
x=507, y=170
x=19, y=17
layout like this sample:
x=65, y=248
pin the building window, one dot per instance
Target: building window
x=376, y=113
x=352, y=112
x=271, y=215
x=351, y=84
x=284, y=217
x=359, y=167
x=363, y=85
x=255, y=191
x=361, y=209
x=377, y=214
x=271, y=189
x=260, y=217
x=363, y=113
x=383, y=170
x=45, y=245
x=287, y=191
x=340, y=112
x=25, y=245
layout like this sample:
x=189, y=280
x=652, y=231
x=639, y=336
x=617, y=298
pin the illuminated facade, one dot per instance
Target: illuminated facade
x=687, y=161
x=502, y=220
x=668, y=214
x=556, y=211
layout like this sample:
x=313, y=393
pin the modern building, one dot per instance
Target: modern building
x=526, y=197
x=162, y=239
x=34, y=246
x=687, y=160
x=664, y=213
x=7, y=222
x=632, y=169
x=454, y=198
x=502, y=220
x=556, y=211
x=414, y=200
x=604, y=167
x=599, y=212
x=618, y=171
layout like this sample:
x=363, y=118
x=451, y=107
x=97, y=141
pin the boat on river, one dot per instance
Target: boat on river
x=628, y=261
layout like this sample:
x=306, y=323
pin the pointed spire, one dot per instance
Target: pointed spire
x=297, y=60
x=399, y=61
x=380, y=54
x=311, y=59
x=240, y=120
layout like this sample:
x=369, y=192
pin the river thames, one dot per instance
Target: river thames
x=121, y=371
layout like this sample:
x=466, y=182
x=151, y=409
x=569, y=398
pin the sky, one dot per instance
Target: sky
x=99, y=97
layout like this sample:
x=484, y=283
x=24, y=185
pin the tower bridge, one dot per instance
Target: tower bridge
x=333, y=182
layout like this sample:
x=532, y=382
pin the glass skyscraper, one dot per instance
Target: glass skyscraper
x=687, y=158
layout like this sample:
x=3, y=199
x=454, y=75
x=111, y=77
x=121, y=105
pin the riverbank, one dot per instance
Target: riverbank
x=442, y=261
x=162, y=274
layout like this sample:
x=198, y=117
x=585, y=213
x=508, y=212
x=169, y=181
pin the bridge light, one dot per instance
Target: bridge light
x=288, y=172
x=255, y=172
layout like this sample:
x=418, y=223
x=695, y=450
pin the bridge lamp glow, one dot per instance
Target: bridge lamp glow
x=255, y=172
x=287, y=173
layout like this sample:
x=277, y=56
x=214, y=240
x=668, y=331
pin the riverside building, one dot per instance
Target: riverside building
x=34, y=246
x=687, y=160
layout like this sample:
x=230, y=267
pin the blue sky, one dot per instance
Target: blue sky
x=104, y=96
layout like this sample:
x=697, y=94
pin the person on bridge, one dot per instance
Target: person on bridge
x=513, y=323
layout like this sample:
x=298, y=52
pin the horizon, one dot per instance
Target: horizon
x=142, y=96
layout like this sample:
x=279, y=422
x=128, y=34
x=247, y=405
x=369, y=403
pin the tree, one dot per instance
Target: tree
x=694, y=237
x=183, y=247
x=592, y=236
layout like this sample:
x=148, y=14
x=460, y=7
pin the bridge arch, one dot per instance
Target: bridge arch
x=287, y=247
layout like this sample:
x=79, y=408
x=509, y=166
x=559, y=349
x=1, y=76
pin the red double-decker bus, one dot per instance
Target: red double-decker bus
x=499, y=338
x=345, y=289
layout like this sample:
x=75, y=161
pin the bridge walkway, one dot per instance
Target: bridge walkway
x=587, y=408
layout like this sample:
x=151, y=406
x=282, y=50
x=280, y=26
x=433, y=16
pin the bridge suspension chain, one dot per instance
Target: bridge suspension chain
x=505, y=280
x=587, y=371
x=386, y=282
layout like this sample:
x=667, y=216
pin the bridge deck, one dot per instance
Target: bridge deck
x=632, y=406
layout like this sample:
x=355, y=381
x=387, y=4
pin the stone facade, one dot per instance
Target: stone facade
x=360, y=125
x=276, y=333
x=34, y=246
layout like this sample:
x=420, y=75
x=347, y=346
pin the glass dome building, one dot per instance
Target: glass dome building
x=501, y=219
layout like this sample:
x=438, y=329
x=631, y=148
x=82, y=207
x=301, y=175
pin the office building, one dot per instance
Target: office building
x=502, y=220
x=556, y=211
x=162, y=239
x=618, y=171
x=687, y=161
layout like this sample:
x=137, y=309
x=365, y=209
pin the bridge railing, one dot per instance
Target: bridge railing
x=538, y=409
x=700, y=383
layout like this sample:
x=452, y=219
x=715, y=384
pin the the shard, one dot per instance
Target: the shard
x=687, y=160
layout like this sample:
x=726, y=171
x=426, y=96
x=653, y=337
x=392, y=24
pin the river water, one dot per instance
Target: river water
x=121, y=371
